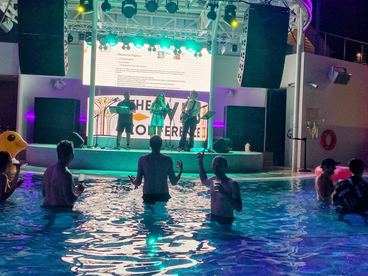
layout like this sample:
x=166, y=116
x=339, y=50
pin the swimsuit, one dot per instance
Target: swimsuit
x=153, y=198
x=222, y=220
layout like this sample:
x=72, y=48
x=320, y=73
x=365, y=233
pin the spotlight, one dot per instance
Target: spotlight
x=165, y=43
x=151, y=5
x=103, y=40
x=112, y=39
x=211, y=15
x=152, y=44
x=209, y=47
x=88, y=38
x=230, y=15
x=70, y=38
x=129, y=8
x=105, y=6
x=172, y=7
x=126, y=41
x=138, y=42
x=85, y=6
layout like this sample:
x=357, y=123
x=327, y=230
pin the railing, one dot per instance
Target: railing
x=340, y=47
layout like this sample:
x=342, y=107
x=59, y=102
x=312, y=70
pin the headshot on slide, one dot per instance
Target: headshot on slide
x=160, y=54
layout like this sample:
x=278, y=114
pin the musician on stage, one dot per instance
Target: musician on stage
x=125, y=121
x=158, y=111
x=190, y=112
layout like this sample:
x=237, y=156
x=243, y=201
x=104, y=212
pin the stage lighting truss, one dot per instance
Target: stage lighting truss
x=106, y=6
x=151, y=5
x=129, y=8
x=211, y=15
x=172, y=7
x=230, y=15
x=126, y=40
x=85, y=6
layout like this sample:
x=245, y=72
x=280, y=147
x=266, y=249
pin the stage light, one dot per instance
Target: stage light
x=129, y=8
x=152, y=44
x=85, y=6
x=103, y=39
x=172, y=7
x=70, y=38
x=165, y=43
x=151, y=5
x=189, y=45
x=138, y=42
x=88, y=38
x=112, y=39
x=211, y=15
x=126, y=40
x=230, y=15
x=105, y=6
x=209, y=47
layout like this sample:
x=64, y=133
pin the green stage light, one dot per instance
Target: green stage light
x=138, y=42
x=112, y=39
x=165, y=43
x=151, y=5
x=172, y=7
x=129, y=8
x=106, y=6
x=85, y=6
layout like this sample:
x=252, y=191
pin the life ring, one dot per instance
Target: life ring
x=333, y=140
x=340, y=172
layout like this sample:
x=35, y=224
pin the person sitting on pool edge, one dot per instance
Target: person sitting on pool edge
x=351, y=195
x=57, y=183
x=155, y=168
x=225, y=192
x=323, y=183
x=8, y=187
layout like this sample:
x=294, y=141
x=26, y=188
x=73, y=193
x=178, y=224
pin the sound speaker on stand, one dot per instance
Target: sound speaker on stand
x=77, y=140
x=223, y=145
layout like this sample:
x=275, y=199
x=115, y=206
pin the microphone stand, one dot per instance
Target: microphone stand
x=103, y=116
x=170, y=117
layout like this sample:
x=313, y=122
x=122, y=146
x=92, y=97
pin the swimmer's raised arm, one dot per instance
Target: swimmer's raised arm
x=202, y=172
x=138, y=180
x=174, y=179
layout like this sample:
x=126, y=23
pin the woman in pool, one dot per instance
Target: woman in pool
x=158, y=111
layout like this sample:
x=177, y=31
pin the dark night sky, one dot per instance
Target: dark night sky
x=348, y=18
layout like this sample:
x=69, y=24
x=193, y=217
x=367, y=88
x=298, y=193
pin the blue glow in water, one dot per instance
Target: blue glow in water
x=282, y=230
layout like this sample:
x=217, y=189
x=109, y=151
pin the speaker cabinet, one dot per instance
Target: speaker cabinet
x=243, y=125
x=263, y=49
x=43, y=37
x=339, y=75
x=223, y=145
x=55, y=119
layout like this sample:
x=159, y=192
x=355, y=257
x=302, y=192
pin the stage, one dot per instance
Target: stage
x=41, y=155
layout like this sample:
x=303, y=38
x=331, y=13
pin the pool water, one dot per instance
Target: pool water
x=282, y=230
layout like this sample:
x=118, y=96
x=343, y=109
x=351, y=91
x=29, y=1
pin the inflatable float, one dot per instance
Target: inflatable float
x=13, y=143
x=340, y=172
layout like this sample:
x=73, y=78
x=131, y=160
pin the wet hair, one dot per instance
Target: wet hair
x=155, y=142
x=64, y=149
x=221, y=159
x=5, y=158
x=195, y=93
x=356, y=166
x=163, y=100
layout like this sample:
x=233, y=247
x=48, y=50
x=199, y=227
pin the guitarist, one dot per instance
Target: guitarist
x=191, y=110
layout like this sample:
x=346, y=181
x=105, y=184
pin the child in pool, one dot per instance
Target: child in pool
x=7, y=187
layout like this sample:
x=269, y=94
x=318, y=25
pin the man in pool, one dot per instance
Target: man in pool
x=156, y=167
x=57, y=184
x=225, y=192
x=323, y=183
x=7, y=187
x=351, y=195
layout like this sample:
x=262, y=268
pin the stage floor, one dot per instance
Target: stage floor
x=40, y=155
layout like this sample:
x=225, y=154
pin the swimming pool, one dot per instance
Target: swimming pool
x=282, y=230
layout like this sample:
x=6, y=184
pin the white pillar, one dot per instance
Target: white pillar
x=92, y=77
x=299, y=49
x=212, y=83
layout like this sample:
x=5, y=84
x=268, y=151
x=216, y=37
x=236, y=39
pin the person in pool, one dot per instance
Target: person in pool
x=351, y=195
x=225, y=192
x=155, y=168
x=323, y=183
x=57, y=183
x=8, y=187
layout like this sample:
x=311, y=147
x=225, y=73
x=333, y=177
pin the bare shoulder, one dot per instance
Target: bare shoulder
x=233, y=183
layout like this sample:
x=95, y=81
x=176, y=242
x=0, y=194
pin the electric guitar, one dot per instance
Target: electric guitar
x=184, y=116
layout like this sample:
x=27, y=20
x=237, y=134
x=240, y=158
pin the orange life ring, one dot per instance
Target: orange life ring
x=333, y=139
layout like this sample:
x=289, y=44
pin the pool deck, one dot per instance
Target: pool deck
x=40, y=155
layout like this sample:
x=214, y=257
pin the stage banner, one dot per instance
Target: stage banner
x=105, y=121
